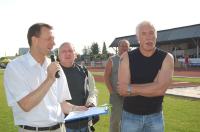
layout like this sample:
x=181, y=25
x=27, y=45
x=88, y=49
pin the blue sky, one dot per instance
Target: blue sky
x=85, y=21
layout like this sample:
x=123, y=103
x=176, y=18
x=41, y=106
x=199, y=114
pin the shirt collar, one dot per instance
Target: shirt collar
x=33, y=62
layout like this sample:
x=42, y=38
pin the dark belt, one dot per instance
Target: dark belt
x=54, y=127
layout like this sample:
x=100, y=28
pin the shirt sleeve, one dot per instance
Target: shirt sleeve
x=63, y=92
x=92, y=98
x=15, y=85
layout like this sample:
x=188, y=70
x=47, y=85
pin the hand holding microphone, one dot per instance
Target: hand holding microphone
x=53, y=60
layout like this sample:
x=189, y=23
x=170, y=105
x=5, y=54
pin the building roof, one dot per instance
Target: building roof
x=177, y=35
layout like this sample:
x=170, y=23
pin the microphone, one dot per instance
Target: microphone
x=53, y=60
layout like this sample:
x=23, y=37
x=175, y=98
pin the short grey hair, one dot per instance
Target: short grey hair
x=123, y=41
x=66, y=43
x=143, y=23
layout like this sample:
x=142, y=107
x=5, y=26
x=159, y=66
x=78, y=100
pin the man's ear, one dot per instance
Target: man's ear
x=75, y=56
x=138, y=39
x=34, y=39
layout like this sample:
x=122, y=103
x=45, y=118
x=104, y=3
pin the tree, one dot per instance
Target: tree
x=104, y=49
x=104, y=55
x=4, y=61
x=94, y=49
x=86, y=50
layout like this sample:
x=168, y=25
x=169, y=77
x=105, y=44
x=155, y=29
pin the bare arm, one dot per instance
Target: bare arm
x=67, y=107
x=35, y=97
x=123, y=75
x=160, y=84
x=107, y=75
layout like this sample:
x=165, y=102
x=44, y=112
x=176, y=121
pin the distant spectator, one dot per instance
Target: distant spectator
x=111, y=79
x=186, y=61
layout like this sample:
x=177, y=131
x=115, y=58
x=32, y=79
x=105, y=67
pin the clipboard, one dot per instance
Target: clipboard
x=92, y=111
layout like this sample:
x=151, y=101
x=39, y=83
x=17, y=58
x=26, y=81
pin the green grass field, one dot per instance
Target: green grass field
x=181, y=115
x=6, y=117
x=191, y=80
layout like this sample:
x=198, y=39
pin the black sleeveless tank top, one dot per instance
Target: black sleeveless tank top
x=144, y=70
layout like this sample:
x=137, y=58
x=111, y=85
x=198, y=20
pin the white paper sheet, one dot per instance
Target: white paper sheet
x=92, y=111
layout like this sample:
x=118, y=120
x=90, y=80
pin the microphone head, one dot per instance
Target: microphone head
x=52, y=58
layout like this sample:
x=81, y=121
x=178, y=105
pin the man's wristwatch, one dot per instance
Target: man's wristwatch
x=129, y=89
